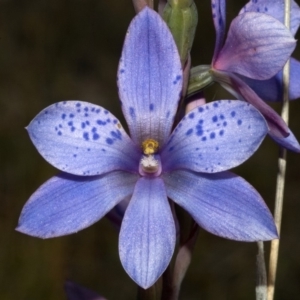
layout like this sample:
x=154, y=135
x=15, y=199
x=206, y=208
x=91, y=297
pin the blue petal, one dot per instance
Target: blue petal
x=219, y=17
x=83, y=139
x=271, y=89
x=275, y=8
x=147, y=237
x=66, y=203
x=257, y=46
x=215, y=137
x=149, y=78
x=223, y=204
x=289, y=142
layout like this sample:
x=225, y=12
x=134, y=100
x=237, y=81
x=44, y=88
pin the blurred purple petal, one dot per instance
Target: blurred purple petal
x=271, y=89
x=223, y=204
x=289, y=142
x=215, y=137
x=75, y=291
x=149, y=78
x=147, y=237
x=66, y=203
x=275, y=8
x=219, y=18
x=82, y=139
x=236, y=86
x=257, y=46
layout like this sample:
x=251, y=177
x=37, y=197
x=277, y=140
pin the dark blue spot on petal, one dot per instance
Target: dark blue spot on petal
x=200, y=109
x=116, y=134
x=99, y=122
x=204, y=138
x=73, y=128
x=221, y=132
x=86, y=136
x=71, y=115
x=192, y=115
x=225, y=124
x=199, y=132
x=59, y=133
x=78, y=104
x=132, y=112
x=233, y=113
x=82, y=125
x=239, y=122
x=151, y=106
x=216, y=104
x=212, y=135
x=86, y=109
x=96, y=136
x=63, y=116
x=70, y=123
x=214, y=118
x=189, y=132
x=109, y=141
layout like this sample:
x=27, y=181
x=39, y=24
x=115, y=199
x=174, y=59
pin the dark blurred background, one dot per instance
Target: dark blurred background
x=53, y=50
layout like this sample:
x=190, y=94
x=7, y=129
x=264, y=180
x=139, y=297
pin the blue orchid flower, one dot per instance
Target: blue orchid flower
x=272, y=89
x=103, y=166
x=257, y=47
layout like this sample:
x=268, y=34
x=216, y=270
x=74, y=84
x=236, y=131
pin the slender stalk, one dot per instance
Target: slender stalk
x=281, y=169
x=261, y=277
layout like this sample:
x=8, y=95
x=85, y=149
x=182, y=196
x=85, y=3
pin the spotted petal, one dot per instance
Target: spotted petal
x=66, y=203
x=219, y=18
x=82, y=139
x=147, y=237
x=275, y=8
x=215, y=137
x=223, y=204
x=257, y=46
x=149, y=78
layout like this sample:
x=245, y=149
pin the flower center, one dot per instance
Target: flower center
x=150, y=163
x=150, y=146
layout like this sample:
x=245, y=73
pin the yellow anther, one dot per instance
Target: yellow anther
x=150, y=146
